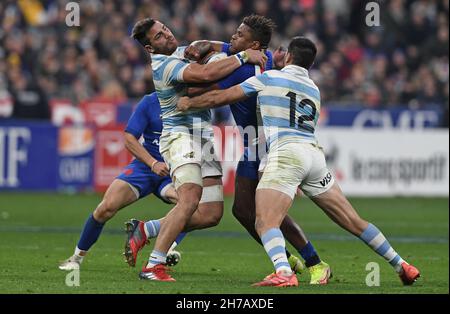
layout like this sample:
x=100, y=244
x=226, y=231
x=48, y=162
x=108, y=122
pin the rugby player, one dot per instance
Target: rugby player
x=255, y=32
x=290, y=106
x=196, y=177
x=145, y=175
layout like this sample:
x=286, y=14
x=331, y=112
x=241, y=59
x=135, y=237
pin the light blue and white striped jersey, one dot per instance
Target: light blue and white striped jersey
x=169, y=86
x=289, y=102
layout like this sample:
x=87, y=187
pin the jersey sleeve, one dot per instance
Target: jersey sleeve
x=139, y=119
x=253, y=85
x=269, y=64
x=237, y=76
x=226, y=48
x=173, y=70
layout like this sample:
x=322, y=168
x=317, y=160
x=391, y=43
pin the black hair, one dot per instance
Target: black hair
x=140, y=30
x=261, y=28
x=303, y=51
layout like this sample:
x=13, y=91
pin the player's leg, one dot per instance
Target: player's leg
x=339, y=209
x=189, y=196
x=271, y=208
x=320, y=271
x=210, y=208
x=288, y=163
x=244, y=211
x=118, y=195
x=188, y=185
x=167, y=193
x=244, y=203
x=208, y=213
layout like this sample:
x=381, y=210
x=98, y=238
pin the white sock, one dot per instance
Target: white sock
x=173, y=246
x=156, y=258
x=79, y=255
x=398, y=268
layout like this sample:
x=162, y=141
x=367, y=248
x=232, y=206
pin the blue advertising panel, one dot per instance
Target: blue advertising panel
x=28, y=155
x=398, y=117
x=76, y=158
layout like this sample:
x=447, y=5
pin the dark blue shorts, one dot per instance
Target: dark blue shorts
x=142, y=178
x=248, y=169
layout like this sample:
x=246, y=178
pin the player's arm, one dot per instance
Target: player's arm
x=217, y=98
x=212, y=99
x=137, y=123
x=193, y=91
x=234, y=78
x=198, y=49
x=137, y=150
x=205, y=73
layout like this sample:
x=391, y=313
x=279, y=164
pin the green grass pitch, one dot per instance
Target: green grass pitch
x=39, y=230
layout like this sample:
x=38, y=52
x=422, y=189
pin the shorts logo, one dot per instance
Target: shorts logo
x=189, y=155
x=128, y=171
x=326, y=180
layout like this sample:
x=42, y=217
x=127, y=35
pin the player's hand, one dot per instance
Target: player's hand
x=278, y=57
x=183, y=104
x=197, y=50
x=192, y=53
x=160, y=168
x=257, y=57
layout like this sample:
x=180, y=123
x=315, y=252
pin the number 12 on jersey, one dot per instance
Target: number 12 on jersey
x=303, y=117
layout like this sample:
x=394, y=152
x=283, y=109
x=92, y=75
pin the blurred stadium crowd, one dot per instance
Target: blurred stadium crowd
x=402, y=62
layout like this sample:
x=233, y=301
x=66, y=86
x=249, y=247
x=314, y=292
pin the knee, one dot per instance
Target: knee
x=243, y=214
x=237, y=212
x=190, y=204
x=259, y=226
x=189, y=196
x=215, y=217
x=106, y=210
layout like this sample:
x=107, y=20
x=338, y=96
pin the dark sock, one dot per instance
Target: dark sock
x=90, y=233
x=310, y=255
x=180, y=237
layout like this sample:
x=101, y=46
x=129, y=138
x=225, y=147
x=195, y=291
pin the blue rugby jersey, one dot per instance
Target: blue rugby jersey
x=169, y=86
x=146, y=121
x=289, y=102
x=244, y=112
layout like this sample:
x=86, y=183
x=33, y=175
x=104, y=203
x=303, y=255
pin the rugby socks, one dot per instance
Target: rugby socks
x=180, y=238
x=310, y=255
x=275, y=246
x=89, y=235
x=376, y=240
x=151, y=228
x=156, y=257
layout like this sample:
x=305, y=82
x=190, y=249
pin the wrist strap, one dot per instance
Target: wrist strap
x=242, y=57
x=153, y=164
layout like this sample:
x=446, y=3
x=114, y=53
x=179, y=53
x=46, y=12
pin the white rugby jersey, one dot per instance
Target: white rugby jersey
x=289, y=102
x=169, y=86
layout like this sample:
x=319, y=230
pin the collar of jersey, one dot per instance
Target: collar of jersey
x=157, y=63
x=295, y=69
